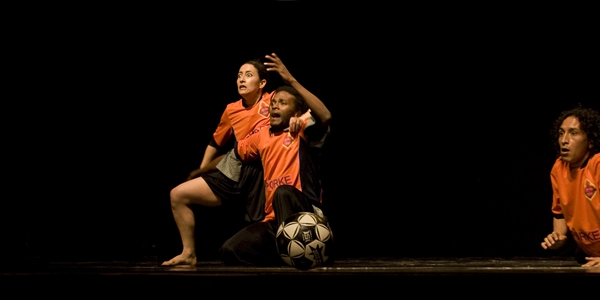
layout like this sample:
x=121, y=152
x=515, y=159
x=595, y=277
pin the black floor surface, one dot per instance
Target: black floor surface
x=373, y=277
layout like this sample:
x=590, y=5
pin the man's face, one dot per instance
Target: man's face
x=574, y=146
x=248, y=81
x=282, y=108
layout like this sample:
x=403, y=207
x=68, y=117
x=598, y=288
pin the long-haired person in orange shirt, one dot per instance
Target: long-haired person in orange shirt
x=575, y=179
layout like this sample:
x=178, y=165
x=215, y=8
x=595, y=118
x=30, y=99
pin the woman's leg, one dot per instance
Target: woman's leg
x=188, y=193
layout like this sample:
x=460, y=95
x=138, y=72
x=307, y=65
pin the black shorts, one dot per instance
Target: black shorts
x=249, y=191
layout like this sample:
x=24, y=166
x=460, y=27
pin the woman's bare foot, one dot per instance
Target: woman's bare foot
x=181, y=260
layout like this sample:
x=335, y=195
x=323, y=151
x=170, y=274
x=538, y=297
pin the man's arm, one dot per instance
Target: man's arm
x=558, y=237
x=246, y=149
x=318, y=110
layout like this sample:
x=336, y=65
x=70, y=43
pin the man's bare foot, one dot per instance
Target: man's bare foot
x=181, y=260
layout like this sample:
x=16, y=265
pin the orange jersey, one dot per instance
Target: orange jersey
x=287, y=160
x=575, y=196
x=240, y=121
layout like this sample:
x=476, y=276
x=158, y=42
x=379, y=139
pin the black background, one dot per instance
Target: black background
x=440, y=140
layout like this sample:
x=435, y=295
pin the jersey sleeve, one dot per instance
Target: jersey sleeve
x=223, y=133
x=247, y=149
x=556, y=208
x=314, y=133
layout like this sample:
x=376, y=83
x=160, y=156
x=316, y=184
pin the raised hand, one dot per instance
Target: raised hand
x=275, y=64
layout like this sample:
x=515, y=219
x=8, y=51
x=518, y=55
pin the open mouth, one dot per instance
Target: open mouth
x=275, y=116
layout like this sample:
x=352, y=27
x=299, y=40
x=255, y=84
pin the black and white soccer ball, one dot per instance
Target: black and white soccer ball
x=305, y=241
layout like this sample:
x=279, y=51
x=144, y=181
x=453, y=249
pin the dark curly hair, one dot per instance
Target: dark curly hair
x=589, y=122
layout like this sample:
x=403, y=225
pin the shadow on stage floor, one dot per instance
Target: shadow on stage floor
x=377, y=276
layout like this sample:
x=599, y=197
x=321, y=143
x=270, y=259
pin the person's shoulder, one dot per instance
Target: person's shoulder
x=266, y=97
x=558, y=164
x=595, y=160
x=593, y=166
x=234, y=104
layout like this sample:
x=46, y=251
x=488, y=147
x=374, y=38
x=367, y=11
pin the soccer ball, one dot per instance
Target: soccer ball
x=304, y=241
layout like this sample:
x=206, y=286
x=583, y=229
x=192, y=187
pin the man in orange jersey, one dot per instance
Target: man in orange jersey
x=575, y=178
x=291, y=167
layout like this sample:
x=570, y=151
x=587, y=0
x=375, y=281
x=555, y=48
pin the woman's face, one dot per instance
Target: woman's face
x=248, y=81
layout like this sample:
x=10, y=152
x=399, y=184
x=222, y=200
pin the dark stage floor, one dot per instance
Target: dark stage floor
x=377, y=276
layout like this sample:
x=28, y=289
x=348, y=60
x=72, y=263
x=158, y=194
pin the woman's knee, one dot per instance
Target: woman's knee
x=194, y=191
x=178, y=196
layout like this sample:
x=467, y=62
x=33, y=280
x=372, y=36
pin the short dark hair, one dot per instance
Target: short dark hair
x=589, y=122
x=298, y=99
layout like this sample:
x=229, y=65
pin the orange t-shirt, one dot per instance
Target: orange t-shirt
x=287, y=160
x=240, y=121
x=576, y=197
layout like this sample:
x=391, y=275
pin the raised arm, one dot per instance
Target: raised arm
x=317, y=108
